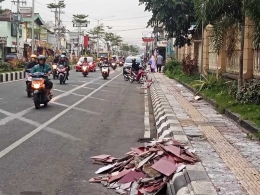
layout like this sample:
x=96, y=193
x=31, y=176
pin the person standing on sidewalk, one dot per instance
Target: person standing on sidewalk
x=159, y=63
x=153, y=63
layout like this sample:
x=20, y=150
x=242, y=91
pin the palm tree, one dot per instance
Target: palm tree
x=97, y=32
x=228, y=20
x=1, y=11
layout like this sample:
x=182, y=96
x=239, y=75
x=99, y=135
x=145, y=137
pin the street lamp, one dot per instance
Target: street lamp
x=98, y=33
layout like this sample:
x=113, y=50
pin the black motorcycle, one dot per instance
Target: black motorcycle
x=38, y=88
x=126, y=73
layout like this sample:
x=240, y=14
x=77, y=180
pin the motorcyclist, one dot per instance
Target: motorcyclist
x=135, y=66
x=85, y=61
x=65, y=63
x=33, y=62
x=56, y=59
x=46, y=69
x=66, y=58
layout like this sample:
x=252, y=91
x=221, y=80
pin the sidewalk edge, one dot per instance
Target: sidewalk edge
x=196, y=180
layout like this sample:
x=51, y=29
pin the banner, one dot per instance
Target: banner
x=86, y=41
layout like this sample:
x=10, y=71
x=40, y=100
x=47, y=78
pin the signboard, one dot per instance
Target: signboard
x=148, y=39
x=162, y=44
x=81, y=25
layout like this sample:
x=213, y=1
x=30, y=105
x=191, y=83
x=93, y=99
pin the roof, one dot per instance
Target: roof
x=37, y=18
x=6, y=15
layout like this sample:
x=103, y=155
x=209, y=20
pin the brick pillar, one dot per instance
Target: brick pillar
x=207, y=34
x=248, y=50
x=189, y=50
x=222, y=61
x=179, y=54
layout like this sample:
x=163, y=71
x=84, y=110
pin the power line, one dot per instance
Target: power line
x=129, y=29
x=128, y=18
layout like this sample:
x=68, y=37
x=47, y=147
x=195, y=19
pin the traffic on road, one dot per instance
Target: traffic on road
x=51, y=123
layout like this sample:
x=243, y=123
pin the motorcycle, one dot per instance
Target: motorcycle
x=140, y=76
x=105, y=71
x=85, y=70
x=62, y=72
x=121, y=63
x=28, y=83
x=114, y=65
x=126, y=73
x=54, y=71
x=38, y=88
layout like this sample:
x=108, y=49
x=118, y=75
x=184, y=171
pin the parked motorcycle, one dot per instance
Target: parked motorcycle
x=126, y=73
x=62, y=72
x=140, y=76
x=85, y=70
x=54, y=71
x=28, y=83
x=105, y=71
x=38, y=88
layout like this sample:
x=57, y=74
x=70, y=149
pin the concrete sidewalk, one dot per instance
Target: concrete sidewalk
x=231, y=161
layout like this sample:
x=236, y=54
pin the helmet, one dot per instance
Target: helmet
x=33, y=56
x=64, y=53
x=41, y=57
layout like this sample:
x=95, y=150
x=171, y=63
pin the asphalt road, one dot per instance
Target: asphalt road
x=48, y=150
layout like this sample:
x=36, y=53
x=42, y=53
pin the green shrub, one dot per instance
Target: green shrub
x=249, y=93
x=209, y=81
x=171, y=66
x=5, y=66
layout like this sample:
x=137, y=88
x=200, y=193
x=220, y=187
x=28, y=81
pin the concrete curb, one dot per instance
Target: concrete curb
x=11, y=76
x=14, y=76
x=147, y=131
x=193, y=179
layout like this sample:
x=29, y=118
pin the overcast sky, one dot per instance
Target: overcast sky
x=129, y=19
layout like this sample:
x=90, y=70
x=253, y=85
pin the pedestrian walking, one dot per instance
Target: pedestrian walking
x=153, y=63
x=159, y=63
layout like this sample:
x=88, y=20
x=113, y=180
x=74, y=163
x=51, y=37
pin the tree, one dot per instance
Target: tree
x=228, y=20
x=59, y=5
x=108, y=37
x=80, y=18
x=1, y=11
x=98, y=31
x=176, y=16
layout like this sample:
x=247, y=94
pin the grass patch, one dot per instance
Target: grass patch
x=221, y=95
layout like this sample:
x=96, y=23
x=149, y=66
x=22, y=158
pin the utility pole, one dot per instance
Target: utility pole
x=59, y=23
x=78, y=40
x=58, y=11
x=32, y=26
x=98, y=41
x=18, y=21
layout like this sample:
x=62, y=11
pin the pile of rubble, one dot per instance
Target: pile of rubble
x=144, y=170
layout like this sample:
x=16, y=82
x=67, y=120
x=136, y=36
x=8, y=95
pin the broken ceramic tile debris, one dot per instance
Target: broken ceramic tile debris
x=146, y=169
